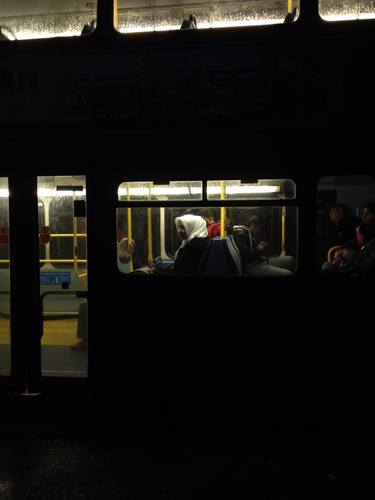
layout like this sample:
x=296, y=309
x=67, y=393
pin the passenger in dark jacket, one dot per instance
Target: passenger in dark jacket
x=342, y=225
x=354, y=261
x=192, y=230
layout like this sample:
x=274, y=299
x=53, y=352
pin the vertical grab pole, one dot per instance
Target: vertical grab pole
x=283, y=222
x=130, y=239
x=149, y=235
x=46, y=223
x=115, y=14
x=222, y=210
x=290, y=5
x=75, y=239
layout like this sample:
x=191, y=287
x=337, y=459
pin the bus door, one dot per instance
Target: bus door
x=63, y=275
x=5, y=337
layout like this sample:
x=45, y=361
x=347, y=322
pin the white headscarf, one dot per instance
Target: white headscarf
x=195, y=227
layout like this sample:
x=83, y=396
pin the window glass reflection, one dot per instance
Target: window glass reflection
x=28, y=19
x=342, y=10
x=144, y=15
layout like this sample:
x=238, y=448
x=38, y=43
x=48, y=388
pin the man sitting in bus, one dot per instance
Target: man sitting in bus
x=356, y=258
x=253, y=251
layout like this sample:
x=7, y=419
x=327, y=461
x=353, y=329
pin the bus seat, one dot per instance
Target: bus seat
x=217, y=259
x=234, y=253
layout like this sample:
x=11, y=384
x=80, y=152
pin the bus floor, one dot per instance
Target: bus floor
x=57, y=358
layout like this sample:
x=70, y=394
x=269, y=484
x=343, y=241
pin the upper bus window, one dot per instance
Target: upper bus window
x=260, y=189
x=346, y=225
x=337, y=10
x=146, y=15
x=148, y=191
x=27, y=19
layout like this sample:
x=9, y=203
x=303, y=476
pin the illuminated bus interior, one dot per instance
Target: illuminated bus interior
x=63, y=273
x=346, y=10
x=153, y=231
x=350, y=193
x=141, y=16
x=4, y=279
x=25, y=20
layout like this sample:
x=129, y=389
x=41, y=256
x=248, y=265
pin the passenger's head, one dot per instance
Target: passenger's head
x=125, y=250
x=191, y=226
x=337, y=212
x=368, y=213
x=207, y=215
x=254, y=225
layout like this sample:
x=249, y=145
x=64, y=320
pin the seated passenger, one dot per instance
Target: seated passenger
x=125, y=250
x=189, y=24
x=342, y=225
x=349, y=259
x=339, y=229
x=213, y=226
x=290, y=17
x=192, y=231
x=88, y=28
x=254, y=261
x=3, y=36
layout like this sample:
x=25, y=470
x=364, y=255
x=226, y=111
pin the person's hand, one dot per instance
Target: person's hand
x=150, y=269
x=263, y=244
x=338, y=257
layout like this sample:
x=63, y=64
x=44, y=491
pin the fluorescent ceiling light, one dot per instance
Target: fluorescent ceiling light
x=52, y=193
x=243, y=189
x=160, y=191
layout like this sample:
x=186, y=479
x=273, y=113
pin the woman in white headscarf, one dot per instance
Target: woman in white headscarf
x=192, y=229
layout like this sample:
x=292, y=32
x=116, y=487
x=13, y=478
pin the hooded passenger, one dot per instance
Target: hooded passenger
x=192, y=230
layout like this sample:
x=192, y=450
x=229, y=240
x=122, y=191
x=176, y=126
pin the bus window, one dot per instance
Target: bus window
x=346, y=225
x=5, y=355
x=148, y=191
x=259, y=189
x=63, y=275
x=266, y=237
x=27, y=19
x=144, y=15
x=337, y=10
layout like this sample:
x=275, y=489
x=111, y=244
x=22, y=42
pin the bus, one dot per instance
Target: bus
x=116, y=120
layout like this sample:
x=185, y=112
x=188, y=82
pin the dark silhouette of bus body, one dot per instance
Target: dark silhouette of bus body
x=257, y=102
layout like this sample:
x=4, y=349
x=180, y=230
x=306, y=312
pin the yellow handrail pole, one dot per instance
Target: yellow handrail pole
x=290, y=6
x=63, y=261
x=53, y=261
x=75, y=239
x=283, y=230
x=115, y=14
x=222, y=210
x=149, y=235
x=67, y=235
x=130, y=239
